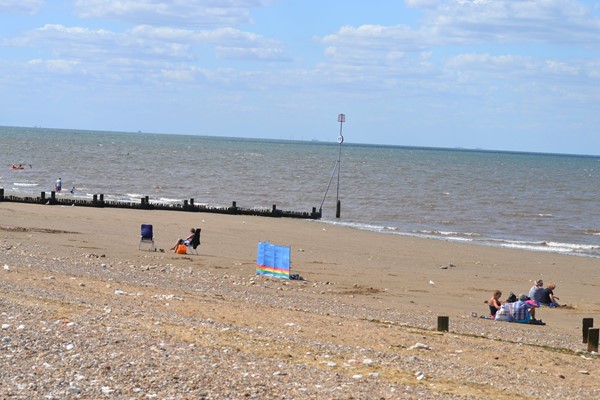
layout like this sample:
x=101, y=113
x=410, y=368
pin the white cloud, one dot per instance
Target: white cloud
x=502, y=26
x=510, y=21
x=248, y=53
x=21, y=6
x=61, y=66
x=560, y=68
x=480, y=22
x=421, y=3
x=145, y=41
x=181, y=12
x=143, y=53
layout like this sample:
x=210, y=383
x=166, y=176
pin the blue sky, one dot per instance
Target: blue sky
x=506, y=75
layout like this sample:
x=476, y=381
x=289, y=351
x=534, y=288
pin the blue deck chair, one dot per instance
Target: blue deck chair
x=147, y=236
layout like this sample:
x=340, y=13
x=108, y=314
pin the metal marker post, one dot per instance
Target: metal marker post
x=341, y=120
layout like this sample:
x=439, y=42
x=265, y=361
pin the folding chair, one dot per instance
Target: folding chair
x=147, y=237
x=192, y=247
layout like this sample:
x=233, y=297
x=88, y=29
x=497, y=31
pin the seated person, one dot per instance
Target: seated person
x=522, y=310
x=494, y=303
x=187, y=241
x=548, y=298
x=535, y=293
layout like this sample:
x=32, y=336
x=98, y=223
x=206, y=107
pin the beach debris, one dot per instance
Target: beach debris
x=367, y=361
x=5, y=326
x=6, y=267
x=420, y=346
x=74, y=389
x=70, y=346
x=20, y=327
x=447, y=266
x=167, y=297
x=431, y=282
x=420, y=375
x=357, y=376
x=120, y=292
x=584, y=372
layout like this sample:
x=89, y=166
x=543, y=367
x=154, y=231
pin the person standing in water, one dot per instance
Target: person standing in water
x=58, y=185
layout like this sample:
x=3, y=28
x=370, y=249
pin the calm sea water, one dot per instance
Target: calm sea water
x=532, y=201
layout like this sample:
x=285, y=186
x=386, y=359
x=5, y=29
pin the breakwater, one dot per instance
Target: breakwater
x=146, y=204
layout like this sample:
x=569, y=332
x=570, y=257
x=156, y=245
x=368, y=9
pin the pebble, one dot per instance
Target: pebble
x=419, y=346
x=134, y=347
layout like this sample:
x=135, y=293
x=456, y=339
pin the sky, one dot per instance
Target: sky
x=513, y=75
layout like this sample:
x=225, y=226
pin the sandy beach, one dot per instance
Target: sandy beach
x=86, y=314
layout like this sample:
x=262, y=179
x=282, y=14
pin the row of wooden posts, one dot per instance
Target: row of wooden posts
x=98, y=201
x=589, y=333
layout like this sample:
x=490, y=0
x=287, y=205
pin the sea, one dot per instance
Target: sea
x=531, y=201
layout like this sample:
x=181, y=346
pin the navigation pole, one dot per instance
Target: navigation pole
x=341, y=120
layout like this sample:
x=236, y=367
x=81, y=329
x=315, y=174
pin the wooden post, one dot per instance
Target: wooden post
x=43, y=195
x=443, y=324
x=593, y=334
x=587, y=324
x=1, y=193
x=53, y=195
x=94, y=198
x=101, y=198
x=338, y=209
x=192, y=202
x=185, y=203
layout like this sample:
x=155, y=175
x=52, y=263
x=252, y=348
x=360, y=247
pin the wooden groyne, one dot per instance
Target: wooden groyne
x=145, y=204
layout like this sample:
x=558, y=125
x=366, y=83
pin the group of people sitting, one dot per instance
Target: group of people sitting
x=522, y=309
